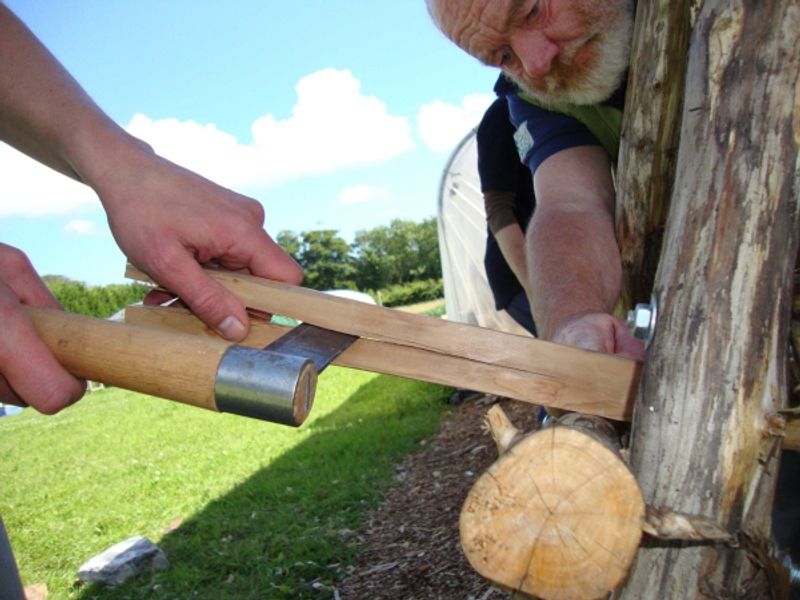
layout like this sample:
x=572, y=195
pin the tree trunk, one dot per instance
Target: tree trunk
x=649, y=144
x=716, y=368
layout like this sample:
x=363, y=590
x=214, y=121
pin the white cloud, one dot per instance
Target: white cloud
x=29, y=189
x=442, y=125
x=82, y=227
x=332, y=126
x=358, y=194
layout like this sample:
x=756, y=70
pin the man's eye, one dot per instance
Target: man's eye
x=506, y=57
x=534, y=12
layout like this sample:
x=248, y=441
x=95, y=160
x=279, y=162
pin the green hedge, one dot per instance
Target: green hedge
x=412, y=292
x=95, y=301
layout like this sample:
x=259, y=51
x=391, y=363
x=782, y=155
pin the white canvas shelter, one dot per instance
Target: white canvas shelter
x=462, y=242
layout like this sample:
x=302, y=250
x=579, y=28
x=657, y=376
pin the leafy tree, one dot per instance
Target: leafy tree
x=394, y=254
x=376, y=264
x=325, y=257
x=290, y=242
x=401, y=252
x=425, y=239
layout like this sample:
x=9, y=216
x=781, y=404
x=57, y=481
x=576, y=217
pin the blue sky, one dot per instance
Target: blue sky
x=334, y=114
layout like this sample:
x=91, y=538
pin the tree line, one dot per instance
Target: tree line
x=398, y=253
x=396, y=264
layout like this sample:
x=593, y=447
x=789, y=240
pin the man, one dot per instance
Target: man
x=564, y=55
x=507, y=190
x=167, y=220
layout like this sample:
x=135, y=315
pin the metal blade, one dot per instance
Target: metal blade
x=316, y=343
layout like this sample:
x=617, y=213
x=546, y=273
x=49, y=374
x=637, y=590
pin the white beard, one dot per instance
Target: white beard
x=612, y=50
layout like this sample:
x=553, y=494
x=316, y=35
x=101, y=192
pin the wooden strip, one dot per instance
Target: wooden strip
x=601, y=379
x=406, y=361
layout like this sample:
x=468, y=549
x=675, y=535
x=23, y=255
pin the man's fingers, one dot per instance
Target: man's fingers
x=627, y=345
x=209, y=300
x=18, y=274
x=9, y=396
x=31, y=373
x=271, y=261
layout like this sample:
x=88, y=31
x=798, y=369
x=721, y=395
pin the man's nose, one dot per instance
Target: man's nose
x=535, y=51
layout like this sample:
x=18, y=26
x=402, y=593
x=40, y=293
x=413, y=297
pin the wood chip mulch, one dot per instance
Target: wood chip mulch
x=410, y=544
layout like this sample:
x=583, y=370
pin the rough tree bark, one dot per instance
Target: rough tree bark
x=650, y=136
x=716, y=366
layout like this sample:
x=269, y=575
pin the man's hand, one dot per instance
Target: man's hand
x=600, y=332
x=167, y=220
x=170, y=222
x=29, y=374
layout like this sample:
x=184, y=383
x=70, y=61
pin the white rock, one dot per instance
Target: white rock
x=122, y=561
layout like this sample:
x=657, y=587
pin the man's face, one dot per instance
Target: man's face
x=573, y=51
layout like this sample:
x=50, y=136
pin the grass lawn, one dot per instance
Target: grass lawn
x=431, y=308
x=265, y=511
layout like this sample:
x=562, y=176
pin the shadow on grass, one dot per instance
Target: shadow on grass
x=288, y=530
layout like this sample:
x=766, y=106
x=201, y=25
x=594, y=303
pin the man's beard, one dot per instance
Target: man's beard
x=608, y=43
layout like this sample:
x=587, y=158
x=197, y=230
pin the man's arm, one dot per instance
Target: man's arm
x=511, y=241
x=498, y=204
x=574, y=263
x=166, y=219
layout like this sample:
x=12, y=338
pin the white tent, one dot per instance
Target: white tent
x=462, y=242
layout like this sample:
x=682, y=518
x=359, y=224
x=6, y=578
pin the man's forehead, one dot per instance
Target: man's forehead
x=476, y=26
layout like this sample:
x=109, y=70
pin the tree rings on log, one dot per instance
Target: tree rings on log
x=558, y=516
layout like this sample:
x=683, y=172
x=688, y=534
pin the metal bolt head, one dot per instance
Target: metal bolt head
x=640, y=320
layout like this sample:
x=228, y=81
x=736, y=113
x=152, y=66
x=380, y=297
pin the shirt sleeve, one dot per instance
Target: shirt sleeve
x=499, y=209
x=540, y=133
x=497, y=154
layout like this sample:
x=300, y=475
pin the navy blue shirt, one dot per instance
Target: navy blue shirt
x=551, y=131
x=500, y=170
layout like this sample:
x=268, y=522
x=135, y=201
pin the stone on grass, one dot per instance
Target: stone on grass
x=122, y=561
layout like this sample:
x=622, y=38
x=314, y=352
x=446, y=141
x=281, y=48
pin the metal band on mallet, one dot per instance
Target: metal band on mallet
x=266, y=385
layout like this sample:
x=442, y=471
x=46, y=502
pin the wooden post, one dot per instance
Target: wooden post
x=716, y=368
x=649, y=145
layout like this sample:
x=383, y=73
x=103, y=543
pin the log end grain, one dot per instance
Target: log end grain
x=559, y=516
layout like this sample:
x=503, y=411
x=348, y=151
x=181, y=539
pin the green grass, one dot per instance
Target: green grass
x=436, y=311
x=267, y=510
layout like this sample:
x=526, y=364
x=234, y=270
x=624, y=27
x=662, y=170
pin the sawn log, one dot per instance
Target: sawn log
x=559, y=515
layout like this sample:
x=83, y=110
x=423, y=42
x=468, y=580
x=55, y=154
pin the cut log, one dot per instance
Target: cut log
x=594, y=380
x=558, y=516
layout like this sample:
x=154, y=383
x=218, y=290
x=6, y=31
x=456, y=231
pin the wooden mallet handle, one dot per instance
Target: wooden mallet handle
x=167, y=364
